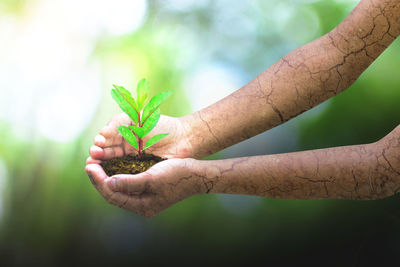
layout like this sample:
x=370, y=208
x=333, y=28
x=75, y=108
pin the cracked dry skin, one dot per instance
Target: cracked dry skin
x=361, y=172
x=299, y=81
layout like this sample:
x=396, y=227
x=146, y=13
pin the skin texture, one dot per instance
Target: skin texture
x=299, y=81
x=109, y=143
x=361, y=172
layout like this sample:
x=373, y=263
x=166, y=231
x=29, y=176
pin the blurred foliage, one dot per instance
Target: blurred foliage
x=13, y=6
x=157, y=63
x=53, y=216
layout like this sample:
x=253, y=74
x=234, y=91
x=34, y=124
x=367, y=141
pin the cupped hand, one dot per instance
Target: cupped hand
x=109, y=143
x=150, y=192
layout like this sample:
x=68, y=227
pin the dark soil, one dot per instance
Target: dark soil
x=130, y=164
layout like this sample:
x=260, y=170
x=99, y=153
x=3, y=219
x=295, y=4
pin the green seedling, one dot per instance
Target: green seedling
x=145, y=117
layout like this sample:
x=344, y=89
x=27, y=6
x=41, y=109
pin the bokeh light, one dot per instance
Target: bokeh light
x=58, y=61
x=211, y=83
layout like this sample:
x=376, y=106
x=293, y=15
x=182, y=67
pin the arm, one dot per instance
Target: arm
x=362, y=172
x=299, y=81
x=370, y=171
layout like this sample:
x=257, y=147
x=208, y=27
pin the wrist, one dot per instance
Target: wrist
x=190, y=133
x=197, y=134
x=206, y=174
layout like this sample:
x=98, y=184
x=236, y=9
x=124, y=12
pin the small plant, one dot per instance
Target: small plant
x=144, y=116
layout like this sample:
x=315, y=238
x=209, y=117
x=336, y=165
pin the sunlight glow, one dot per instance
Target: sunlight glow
x=123, y=16
x=53, y=86
x=210, y=84
x=96, y=17
x=66, y=110
x=186, y=5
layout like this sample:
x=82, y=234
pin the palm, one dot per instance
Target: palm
x=148, y=193
x=110, y=144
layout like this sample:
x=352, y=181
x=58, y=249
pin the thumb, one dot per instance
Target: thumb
x=130, y=184
x=98, y=177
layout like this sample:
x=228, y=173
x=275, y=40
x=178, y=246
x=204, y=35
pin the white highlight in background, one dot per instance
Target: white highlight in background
x=115, y=17
x=210, y=84
x=49, y=80
x=65, y=111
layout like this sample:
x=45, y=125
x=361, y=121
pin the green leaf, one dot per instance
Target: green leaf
x=154, y=103
x=126, y=103
x=151, y=122
x=128, y=135
x=137, y=130
x=127, y=95
x=154, y=140
x=142, y=91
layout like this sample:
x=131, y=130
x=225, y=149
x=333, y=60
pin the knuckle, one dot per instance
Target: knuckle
x=119, y=184
x=114, y=183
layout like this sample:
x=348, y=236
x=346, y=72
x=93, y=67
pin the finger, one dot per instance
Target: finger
x=118, y=151
x=130, y=184
x=96, y=152
x=118, y=199
x=113, y=152
x=99, y=140
x=90, y=160
x=107, y=140
x=111, y=128
x=114, y=140
x=97, y=177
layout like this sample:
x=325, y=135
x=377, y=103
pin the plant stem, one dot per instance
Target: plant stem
x=140, y=143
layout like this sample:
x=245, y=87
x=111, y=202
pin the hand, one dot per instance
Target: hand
x=150, y=192
x=110, y=144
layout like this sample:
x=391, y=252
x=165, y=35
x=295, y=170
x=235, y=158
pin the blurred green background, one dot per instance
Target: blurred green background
x=58, y=59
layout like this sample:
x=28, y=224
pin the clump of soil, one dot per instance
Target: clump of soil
x=130, y=164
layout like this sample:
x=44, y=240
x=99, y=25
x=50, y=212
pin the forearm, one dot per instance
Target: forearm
x=369, y=171
x=299, y=81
